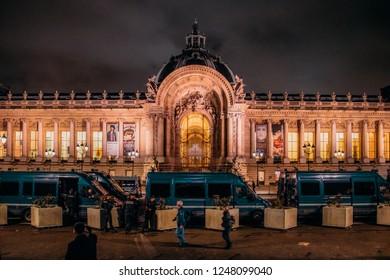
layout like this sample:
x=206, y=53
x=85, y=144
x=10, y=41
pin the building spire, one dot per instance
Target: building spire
x=195, y=40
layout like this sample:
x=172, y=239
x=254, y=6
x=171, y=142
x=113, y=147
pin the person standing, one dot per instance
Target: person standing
x=150, y=214
x=227, y=224
x=181, y=223
x=108, y=204
x=131, y=213
x=81, y=248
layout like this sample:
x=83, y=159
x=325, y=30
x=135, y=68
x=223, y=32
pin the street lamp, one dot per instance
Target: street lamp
x=308, y=149
x=340, y=156
x=132, y=155
x=49, y=154
x=82, y=150
x=259, y=155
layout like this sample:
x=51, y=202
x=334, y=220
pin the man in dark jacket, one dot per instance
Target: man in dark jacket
x=81, y=248
x=108, y=204
x=181, y=222
x=150, y=214
x=227, y=224
x=131, y=213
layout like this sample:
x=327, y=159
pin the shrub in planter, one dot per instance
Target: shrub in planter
x=45, y=214
x=3, y=214
x=280, y=217
x=96, y=215
x=165, y=216
x=337, y=215
x=213, y=216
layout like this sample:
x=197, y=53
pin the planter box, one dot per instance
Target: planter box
x=214, y=218
x=46, y=217
x=337, y=216
x=3, y=214
x=164, y=219
x=383, y=215
x=283, y=218
x=95, y=217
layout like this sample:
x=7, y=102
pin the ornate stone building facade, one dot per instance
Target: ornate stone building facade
x=194, y=116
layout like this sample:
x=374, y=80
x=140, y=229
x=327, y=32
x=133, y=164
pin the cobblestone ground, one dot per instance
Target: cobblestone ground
x=364, y=240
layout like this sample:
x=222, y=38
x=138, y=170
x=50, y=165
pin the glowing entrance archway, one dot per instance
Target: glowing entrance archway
x=195, y=141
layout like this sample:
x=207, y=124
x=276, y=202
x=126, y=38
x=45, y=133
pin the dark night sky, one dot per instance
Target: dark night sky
x=277, y=46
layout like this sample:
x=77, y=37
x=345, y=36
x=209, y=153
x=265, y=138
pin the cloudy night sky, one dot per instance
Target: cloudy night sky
x=276, y=46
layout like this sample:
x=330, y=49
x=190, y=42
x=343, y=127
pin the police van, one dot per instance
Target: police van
x=130, y=184
x=111, y=185
x=197, y=191
x=19, y=189
x=309, y=191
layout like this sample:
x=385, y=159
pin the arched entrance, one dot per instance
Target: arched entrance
x=195, y=141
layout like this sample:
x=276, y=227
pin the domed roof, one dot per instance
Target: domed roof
x=195, y=54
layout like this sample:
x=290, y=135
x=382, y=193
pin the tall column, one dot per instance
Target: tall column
x=286, y=159
x=104, y=147
x=9, y=140
x=40, y=140
x=72, y=140
x=55, y=140
x=148, y=142
x=270, y=144
x=239, y=136
x=302, y=156
x=160, y=136
x=120, y=141
x=223, y=135
x=137, y=134
x=349, y=155
x=365, y=142
x=253, y=136
x=381, y=144
x=230, y=135
x=87, y=157
x=25, y=139
x=333, y=143
x=317, y=141
x=168, y=141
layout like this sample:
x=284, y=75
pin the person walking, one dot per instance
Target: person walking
x=93, y=238
x=181, y=223
x=227, y=224
x=81, y=248
x=108, y=204
x=150, y=214
x=131, y=206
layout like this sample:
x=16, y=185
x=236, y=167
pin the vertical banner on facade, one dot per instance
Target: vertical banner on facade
x=128, y=138
x=261, y=138
x=112, y=140
x=278, y=137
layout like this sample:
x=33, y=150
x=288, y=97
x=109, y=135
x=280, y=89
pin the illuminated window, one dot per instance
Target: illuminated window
x=65, y=143
x=49, y=140
x=97, y=143
x=81, y=140
x=356, y=146
x=324, y=146
x=371, y=145
x=309, y=139
x=33, y=144
x=386, y=137
x=292, y=145
x=340, y=142
x=18, y=144
x=3, y=146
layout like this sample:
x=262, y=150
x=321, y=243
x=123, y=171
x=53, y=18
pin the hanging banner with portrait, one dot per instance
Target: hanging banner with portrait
x=278, y=139
x=261, y=138
x=128, y=138
x=112, y=140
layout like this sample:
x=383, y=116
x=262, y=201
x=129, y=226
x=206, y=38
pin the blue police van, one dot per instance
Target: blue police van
x=19, y=189
x=309, y=191
x=197, y=191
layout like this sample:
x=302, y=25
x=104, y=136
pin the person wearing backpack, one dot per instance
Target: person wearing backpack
x=227, y=224
x=181, y=222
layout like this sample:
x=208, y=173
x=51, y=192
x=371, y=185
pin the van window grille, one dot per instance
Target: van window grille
x=223, y=190
x=364, y=188
x=190, y=190
x=160, y=190
x=9, y=188
x=334, y=188
x=310, y=188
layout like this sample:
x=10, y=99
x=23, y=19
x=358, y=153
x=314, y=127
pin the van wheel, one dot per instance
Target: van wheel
x=27, y=215
x=257, y=217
